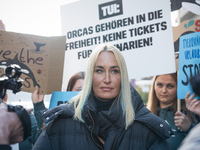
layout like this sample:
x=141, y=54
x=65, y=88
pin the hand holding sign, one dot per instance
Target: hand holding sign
x=192, y=104
x=182, y=121
x=36, y=97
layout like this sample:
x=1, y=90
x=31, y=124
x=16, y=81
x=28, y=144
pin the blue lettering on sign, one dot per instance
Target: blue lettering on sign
x=192, y=54
x=110, y=9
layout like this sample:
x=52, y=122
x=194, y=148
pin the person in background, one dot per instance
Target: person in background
x=37, y=124
x=11, y=129
x=30, y=141
x=38, y=107
x=108, y=113
x=192, y=140
x=76, y=82
x=162, y=101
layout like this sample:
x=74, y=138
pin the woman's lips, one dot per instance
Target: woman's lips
x=163, y=96
x=106, y=88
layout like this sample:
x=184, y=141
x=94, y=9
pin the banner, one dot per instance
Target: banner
x=185, y=27
x=140, y=29
x=189, y=62
x=40, y=58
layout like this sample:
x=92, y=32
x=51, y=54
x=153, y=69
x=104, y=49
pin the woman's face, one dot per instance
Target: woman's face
x=106, y=77
x=165, y=89
x=78, y=85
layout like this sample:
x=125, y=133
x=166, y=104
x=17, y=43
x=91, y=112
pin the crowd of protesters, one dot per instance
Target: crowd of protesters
x=108, y=113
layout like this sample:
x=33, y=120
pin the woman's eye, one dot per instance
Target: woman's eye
x=170, y=86
x=98, y=71
x=159, y=85
x=115, y=71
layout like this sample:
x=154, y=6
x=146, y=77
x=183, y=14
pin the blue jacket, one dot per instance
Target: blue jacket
x=146, y=132
x=28, y=143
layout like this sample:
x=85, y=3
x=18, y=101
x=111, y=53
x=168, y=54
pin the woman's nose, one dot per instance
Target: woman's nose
x=107, y=78
x=164, y=89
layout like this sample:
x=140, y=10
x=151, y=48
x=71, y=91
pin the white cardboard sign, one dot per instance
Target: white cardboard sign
x=141, y=29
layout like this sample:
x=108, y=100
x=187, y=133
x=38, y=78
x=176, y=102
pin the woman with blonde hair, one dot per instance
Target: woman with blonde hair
x=107, y=114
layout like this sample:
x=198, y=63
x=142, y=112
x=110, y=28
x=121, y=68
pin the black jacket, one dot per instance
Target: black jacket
x=146, y=132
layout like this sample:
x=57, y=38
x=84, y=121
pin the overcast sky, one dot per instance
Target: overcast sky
x=38, y=17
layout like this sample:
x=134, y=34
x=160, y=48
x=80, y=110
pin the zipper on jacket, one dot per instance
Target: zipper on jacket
x=92, y=131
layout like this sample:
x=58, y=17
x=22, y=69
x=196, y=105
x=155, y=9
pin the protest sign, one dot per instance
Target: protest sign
x=59, y=97
x=141, y=30
x=189, y=62
x=40, y=58
x=185, y=27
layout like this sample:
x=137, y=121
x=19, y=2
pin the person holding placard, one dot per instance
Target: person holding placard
x=162, y=102
x=38, y=107
x=75, y=84
x=192, y=140
x=108, y=113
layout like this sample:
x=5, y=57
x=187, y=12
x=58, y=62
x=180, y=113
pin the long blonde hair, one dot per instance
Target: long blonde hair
x=125, y=94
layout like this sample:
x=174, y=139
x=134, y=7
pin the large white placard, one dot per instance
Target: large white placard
x=141, y=29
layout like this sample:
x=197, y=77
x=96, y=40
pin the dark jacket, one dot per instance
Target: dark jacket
x=146, y=132
x=168, y=115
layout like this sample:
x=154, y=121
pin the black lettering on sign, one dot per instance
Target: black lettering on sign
x=84, y=54
x=193, y=69
x=110, y=9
